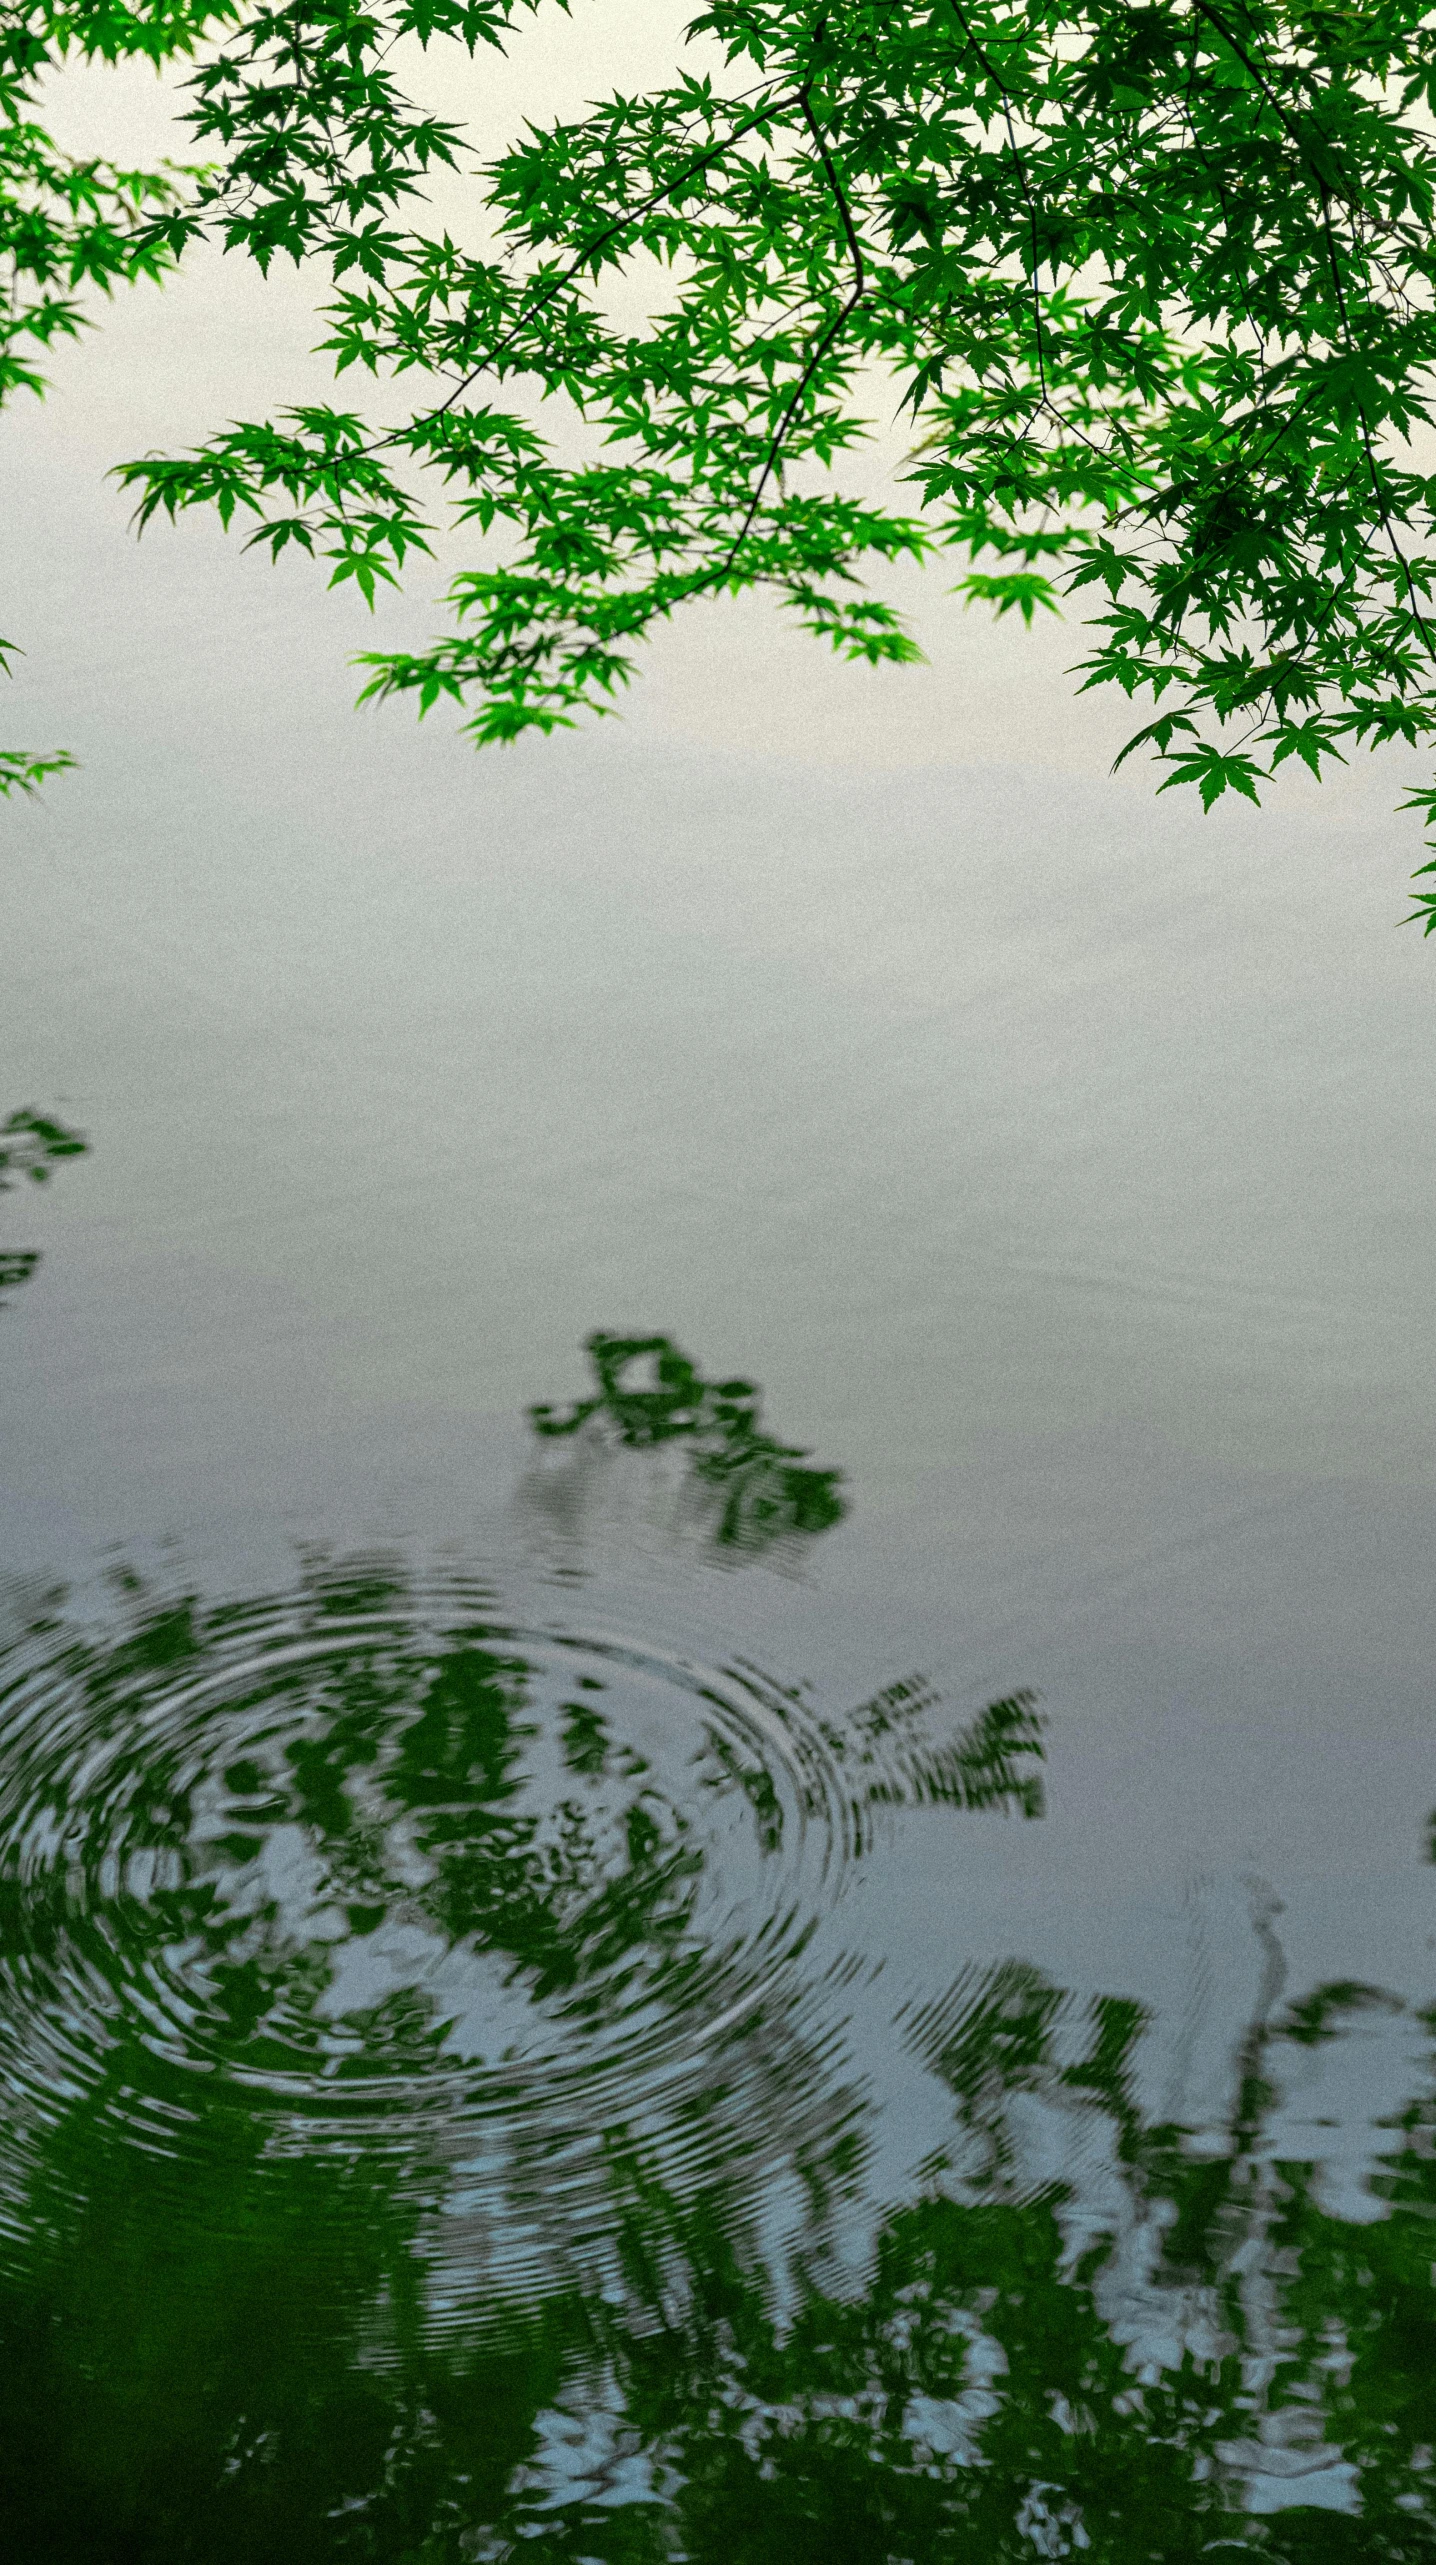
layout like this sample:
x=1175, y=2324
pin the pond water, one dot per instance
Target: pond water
x=835, y=1960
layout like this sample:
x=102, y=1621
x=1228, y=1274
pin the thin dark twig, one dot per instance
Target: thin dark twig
x=711, y=577
x=1020, y=165
x=1205, y=10
x=599, y=240
x=1294, y=130
x=1045, y=400
x=1214, y=175
x=1371, y=465
x=611, y=231
x=823, y=343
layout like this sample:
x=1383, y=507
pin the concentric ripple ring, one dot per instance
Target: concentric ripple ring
x=390, y=1876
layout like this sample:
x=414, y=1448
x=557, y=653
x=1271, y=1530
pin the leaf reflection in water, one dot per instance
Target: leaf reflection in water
x=32, y=1144
x=1167, y=2348
x=372, y=1964
x=749, y=1492
x=434, y=2132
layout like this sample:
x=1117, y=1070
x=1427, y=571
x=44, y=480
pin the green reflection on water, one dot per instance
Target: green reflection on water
x=187, y=2378
x=31, y=1144
x=409, y=2017
x=762, y=1491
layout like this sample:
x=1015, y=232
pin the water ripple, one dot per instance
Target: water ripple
x=372, y=1869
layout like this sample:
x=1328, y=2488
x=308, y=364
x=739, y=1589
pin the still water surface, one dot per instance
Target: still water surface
x=807, y=1937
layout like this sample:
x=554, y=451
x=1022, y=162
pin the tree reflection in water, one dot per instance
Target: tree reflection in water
x=31, y=1144
x=411, y=2017
x=749, y=1490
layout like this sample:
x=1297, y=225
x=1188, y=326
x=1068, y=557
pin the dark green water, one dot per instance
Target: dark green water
x=452, y=2059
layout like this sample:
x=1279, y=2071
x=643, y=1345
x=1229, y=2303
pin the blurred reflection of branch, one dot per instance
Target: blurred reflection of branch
x=428, y=2139
x=756, y=1490
x=31, y=1144
x=1039, y=2358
